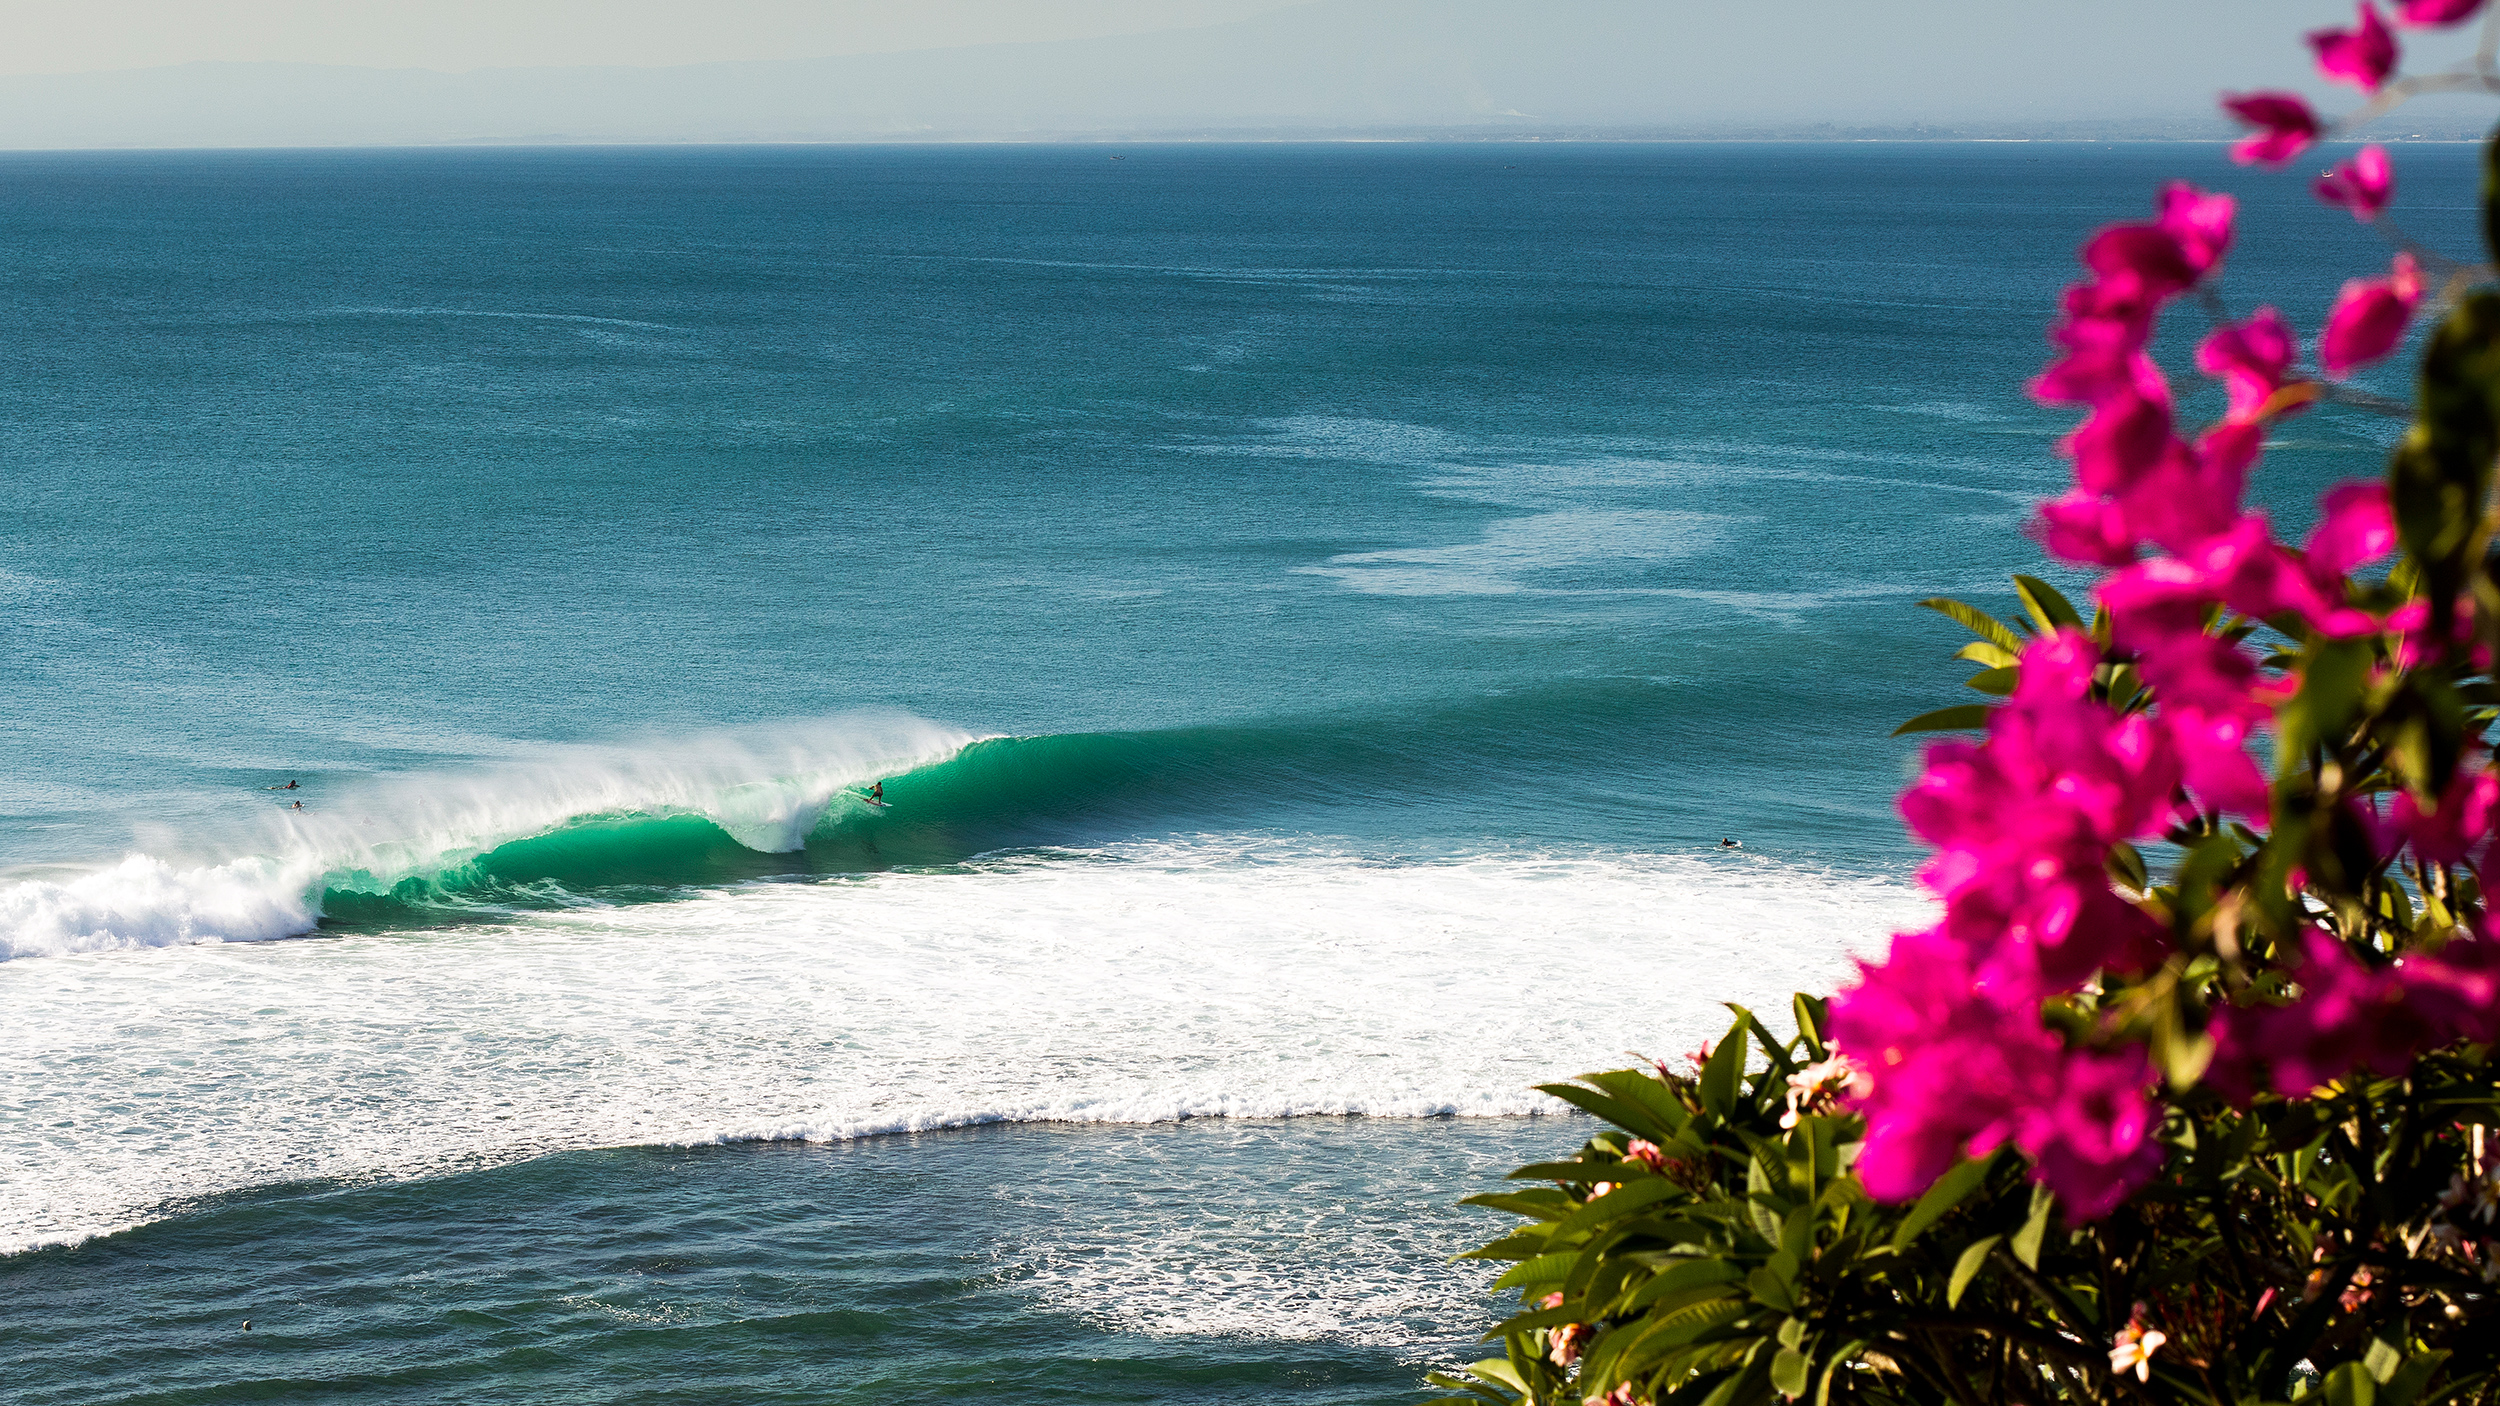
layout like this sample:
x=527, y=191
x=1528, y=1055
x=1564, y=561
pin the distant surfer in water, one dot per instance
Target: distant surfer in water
x=299, y=805
x=289, y=786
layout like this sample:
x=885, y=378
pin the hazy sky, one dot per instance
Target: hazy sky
x=48, y=37
x=98, y=73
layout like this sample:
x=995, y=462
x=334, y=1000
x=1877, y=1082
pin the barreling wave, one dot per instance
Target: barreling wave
x=662, y=818
x=544, y=832
x=601, y=825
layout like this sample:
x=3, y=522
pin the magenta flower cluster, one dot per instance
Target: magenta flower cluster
x=1948, y=1030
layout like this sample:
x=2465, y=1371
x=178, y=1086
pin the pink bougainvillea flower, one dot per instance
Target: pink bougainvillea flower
x=2349, y=1015
x=2248, y=570
x=2188, y=235
x=2285, y=126
x=2252, y=359
x=2362, y=185
x=2095, y=376
x=2369, y=317
x=2362, y=56
x=2157, y=608
x=2128, y=433
x=2455, y=995
x=2092, y=1139
x=2200, y=221
x=2145, y=252
x=2345, y=1017
x=2214, y=760
x=2189, y=494
x=1957, y=1074
x=2454, y=829
x=2111, y=315
x=2086, y=529
x=2422, y=14
x=2356, y=526
x=2416, y=640
x=2192, y=493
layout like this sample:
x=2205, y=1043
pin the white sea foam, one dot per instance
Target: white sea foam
x=1218, y=977
x=766, y=787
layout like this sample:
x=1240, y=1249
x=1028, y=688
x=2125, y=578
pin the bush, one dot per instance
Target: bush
x=2206, y=1125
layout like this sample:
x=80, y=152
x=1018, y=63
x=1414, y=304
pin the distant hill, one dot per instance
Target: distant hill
x=1389, y=68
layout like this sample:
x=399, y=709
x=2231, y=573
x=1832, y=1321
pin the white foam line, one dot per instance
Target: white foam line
x=1217, y=977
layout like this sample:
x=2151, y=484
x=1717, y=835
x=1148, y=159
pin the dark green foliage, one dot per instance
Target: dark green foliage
x=2303, y=1246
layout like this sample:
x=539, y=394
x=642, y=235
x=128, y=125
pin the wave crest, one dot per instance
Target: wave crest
x=667, y=811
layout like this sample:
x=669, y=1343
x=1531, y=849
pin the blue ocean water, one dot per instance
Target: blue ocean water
x=1315, y=611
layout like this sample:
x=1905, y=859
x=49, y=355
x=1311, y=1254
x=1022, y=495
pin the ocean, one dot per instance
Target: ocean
x=1316, y=612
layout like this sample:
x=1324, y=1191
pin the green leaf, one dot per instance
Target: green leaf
x=1480, y=1391
x=2382, y=1359
x=1539, y=1203
x=1838, y=1363
x=1690, y=1275
x=1526, y=1245
x=1788, y=1373
x=1544, y=1269
x=1964, y=1269
x=1946, y=1194
x=1496, y=1369
x=2126, y=865
x=1745, y=1385
x=1610, y=1108
x=1961, y=717
x=2403, y=1386
x=1687, y=1323
x=2026, y=1241
x=1580, y=1173
x=1622, y=1201
x=1533, y=1319
x=1767, y=1288
x=1996, y=683
x=1774, y=1048
x=1644, y=1090
x=1975, y=620
x=1726, y=1065
x=1814, y=1013
x=2049, y=609
x=2330, y=690
x=2350, y=1385
x=1988, y=656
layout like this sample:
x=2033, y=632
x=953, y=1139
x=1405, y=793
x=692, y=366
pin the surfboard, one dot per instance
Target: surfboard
x=873, y=801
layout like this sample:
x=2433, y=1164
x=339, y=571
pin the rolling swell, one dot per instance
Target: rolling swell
x=995, y=793
x=1459, y=765
x=1568, y=762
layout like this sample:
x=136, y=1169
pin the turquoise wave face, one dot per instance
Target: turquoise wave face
x=1431, y=783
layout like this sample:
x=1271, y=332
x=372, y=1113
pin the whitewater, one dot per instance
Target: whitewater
x=419, y=836
x=1203, y=975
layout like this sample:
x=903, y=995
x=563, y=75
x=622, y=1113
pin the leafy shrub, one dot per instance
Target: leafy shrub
x=2209, y=1124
